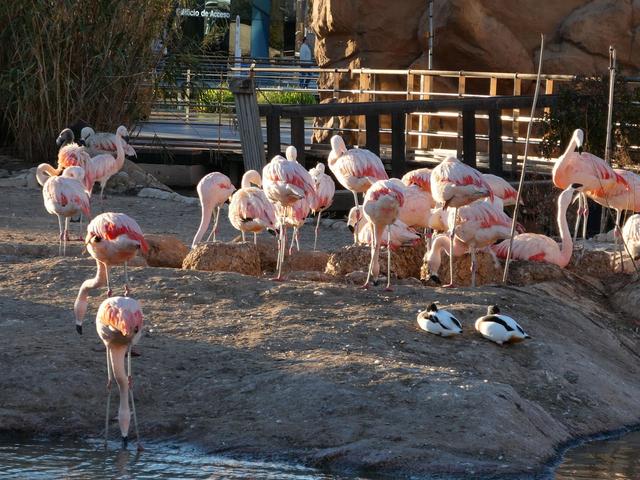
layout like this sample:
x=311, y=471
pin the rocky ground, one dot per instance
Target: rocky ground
x=317, y=372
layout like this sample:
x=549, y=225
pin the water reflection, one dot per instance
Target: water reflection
x=604, y=459
x=48, y=459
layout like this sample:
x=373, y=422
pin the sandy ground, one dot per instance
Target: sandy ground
x=321, y=373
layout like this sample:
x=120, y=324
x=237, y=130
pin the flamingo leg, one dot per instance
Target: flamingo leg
x=66, y=236
x=215, y=224
x=586, y=216
x=315, y=239
x=617, y=233
x=373, y=252
x=126, y=281
x=109, y=380
x=388, y=287
x=452, y=235
x=293, y=239
x=109, y=291
x=281, y=248
x=255, y=238
x=473, y=267
x=578, y=216
x=60, y=236
x=243, y=239
x=297, y=238
x=355, y=230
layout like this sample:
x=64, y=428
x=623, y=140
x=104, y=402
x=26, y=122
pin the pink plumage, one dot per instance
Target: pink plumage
x=122, y=314
x=455, y=184
x=110, y=226
x=420, y=177
x=213, y=190
x=501, y=189
x=249, y=209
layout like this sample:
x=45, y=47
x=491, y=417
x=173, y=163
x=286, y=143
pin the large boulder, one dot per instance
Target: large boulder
x=224, y=257
x=480, y=35
x=165, y=251
x=405, y=261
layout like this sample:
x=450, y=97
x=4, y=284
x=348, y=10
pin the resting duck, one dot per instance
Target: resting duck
x=500, y=328
x=439, y=322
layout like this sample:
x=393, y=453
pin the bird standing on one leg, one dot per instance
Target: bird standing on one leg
x=381, y=206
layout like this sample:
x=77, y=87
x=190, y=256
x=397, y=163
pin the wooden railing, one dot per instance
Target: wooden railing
x=467, y=108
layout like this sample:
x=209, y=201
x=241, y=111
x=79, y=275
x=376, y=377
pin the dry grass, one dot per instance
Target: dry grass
x=68, y=61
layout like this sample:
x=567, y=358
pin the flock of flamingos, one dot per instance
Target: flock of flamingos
x=453, y=198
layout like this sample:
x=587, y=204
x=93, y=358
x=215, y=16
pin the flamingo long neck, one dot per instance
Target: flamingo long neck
x=566, y=246
x=118, y=354
x=571, y=147
x=207, y=210
x=80, y=305
x=44, y=172
x=435, y=254
x=119, y=151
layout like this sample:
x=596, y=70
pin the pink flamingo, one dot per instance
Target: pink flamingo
x=455, y=184
x=356, y=169
x=102, y=167
x=420, y=177
x=325, y=190
x=502, y=189
x=631, y=235
x=249, y=209
x=112, y=239
x=294, y=217
x=593, y=173
x=285, y=182
x=64, y=196
x=103, y=142
x=213, y=190
x=381, y=207
x=399, y=232
x=540, y=248
x=70, y=154
x=480, y=224
x=119, y=326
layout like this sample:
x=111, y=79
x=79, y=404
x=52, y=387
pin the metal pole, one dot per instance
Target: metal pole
x=524, y=163
x=237, y=49
x=607, y=148
x=430, y=58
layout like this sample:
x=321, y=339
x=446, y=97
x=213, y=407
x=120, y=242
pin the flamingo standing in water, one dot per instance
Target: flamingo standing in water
x=285, y=182
x=356, y=169
x=481, y=224
x=381, y=207
x=249, y=208
x=594, y=174
x=540, y=248
x=64, y=196
x=112, y=239
x=213, y=189
x=70, y=154
x=325, y=190
x=119, y=325
x=103, y=142
x=102, y=167
x=455, y=184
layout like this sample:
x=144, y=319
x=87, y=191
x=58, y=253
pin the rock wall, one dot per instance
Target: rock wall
x=484, y=35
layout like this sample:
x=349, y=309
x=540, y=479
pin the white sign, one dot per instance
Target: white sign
x=186, y=12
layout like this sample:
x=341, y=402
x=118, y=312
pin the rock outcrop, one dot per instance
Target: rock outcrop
x=480, y=35
x=224, y=257
x=405, y=261
x=165, y=251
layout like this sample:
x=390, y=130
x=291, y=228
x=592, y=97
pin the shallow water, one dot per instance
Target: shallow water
x=48, y=459
x=614, y=458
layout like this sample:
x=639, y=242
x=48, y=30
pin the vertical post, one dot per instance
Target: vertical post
x=187, y=95
x=495, y=142
x=398, y=165
x=297, y=137
x=469, y=137
x=461, y=91
x=607, y=147
x=409, y=116
x=493, y=86
x=373, y=133
x=515, y=126
x=248, y=114
x=548, y=90
x=431, y=35
x=424, y=122
x=363, y=96
x=237, y=51
x=273, y=133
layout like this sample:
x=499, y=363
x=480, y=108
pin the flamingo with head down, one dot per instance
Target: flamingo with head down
x=249, y=208
x=285, y=182
x=455, y=184
x=381, y=207
x=213, y=190
x=112, y=239
x=399, y=233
